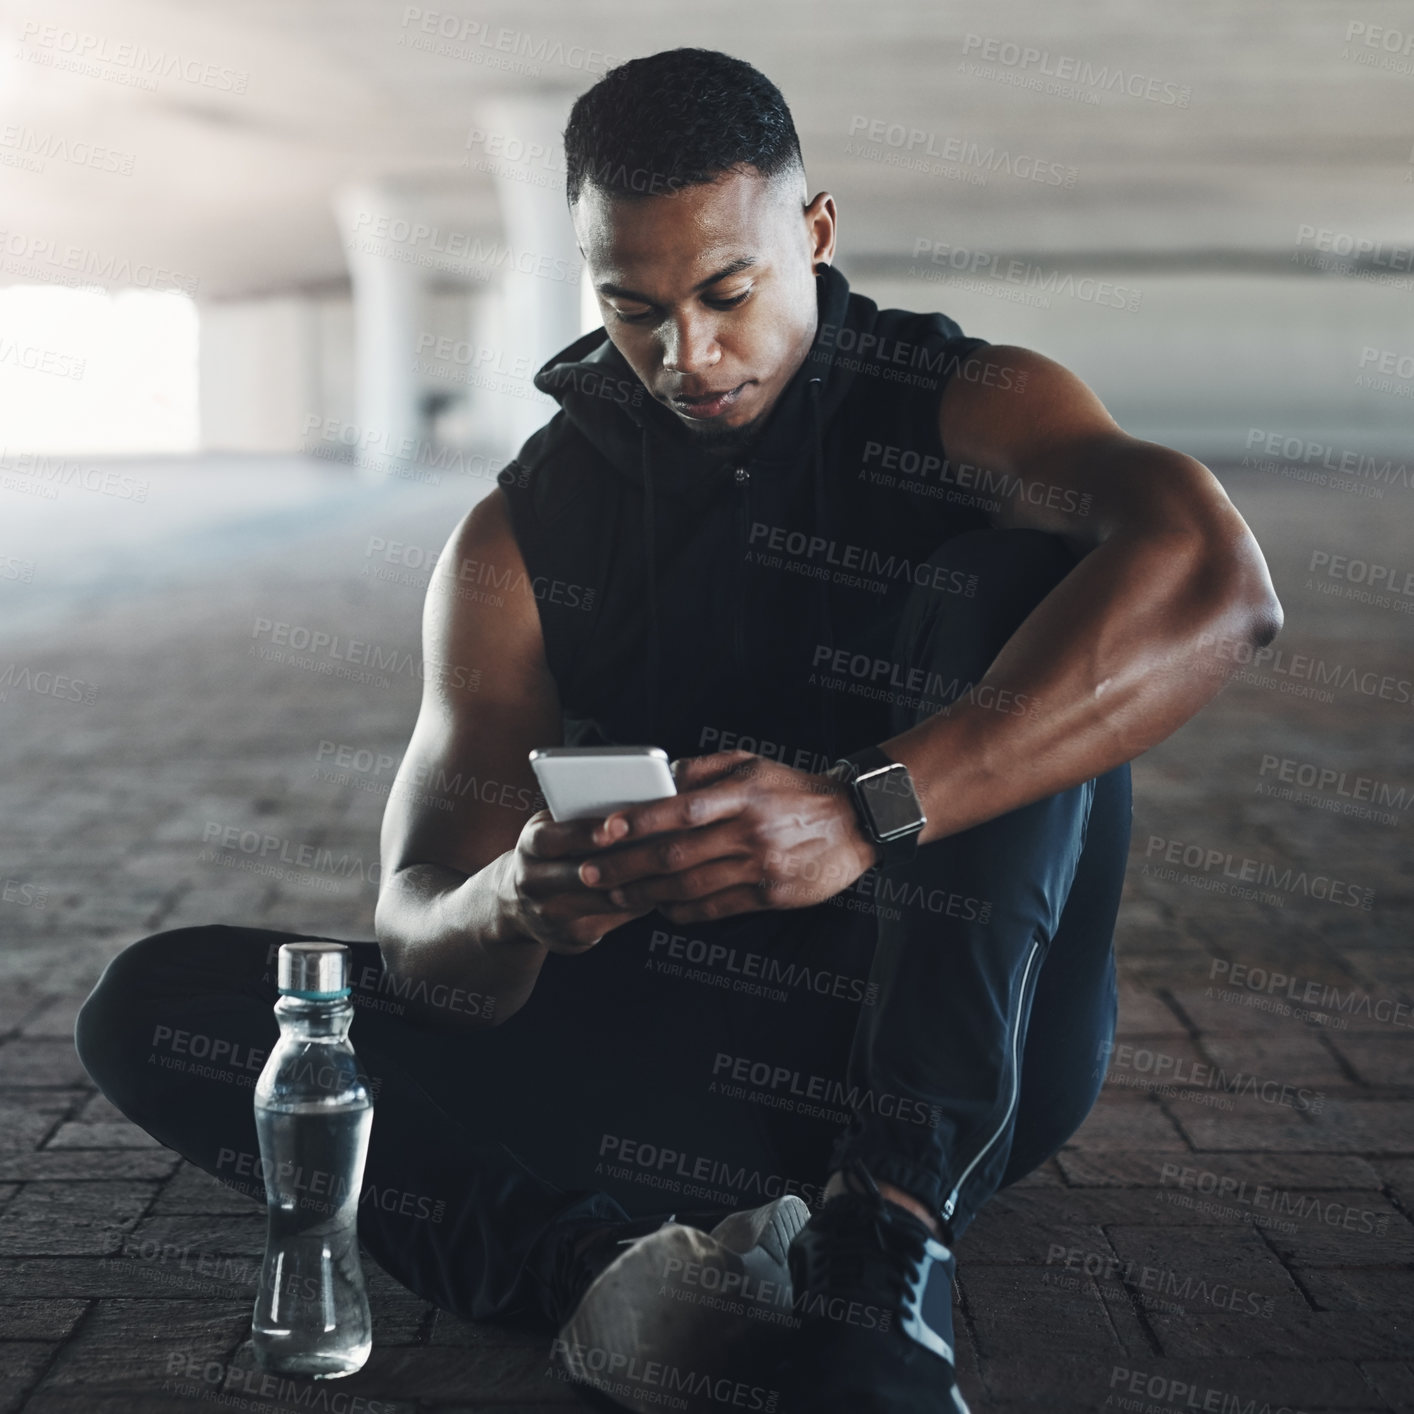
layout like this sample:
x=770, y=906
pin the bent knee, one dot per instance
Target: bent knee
x=121, y=1006
x=992, y=579
x=1015, y=568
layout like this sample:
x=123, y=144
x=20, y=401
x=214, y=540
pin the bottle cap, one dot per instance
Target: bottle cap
x=313, y=971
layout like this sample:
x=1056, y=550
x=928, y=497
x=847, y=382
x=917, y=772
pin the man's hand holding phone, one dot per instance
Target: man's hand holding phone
x=742, y=834
x=553, y=903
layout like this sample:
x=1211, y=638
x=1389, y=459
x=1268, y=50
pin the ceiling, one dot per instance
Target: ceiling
x=1288, y=122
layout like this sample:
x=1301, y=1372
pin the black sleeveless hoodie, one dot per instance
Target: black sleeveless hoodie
x=697, y=607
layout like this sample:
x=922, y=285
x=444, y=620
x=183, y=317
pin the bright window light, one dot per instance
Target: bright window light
x=85, y=371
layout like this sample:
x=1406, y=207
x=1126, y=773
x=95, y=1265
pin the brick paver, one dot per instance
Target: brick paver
x=1248, y=1250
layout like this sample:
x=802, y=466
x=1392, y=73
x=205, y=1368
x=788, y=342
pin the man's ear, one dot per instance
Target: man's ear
x=820, y=216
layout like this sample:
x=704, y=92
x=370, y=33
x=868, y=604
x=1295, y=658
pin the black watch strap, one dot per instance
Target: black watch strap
x=895, y=848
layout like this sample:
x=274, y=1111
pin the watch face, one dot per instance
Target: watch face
x=891, y=800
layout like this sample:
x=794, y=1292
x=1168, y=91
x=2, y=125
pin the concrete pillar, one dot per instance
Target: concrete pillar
x=257, y=373
x=387, y=296
x=541, y=310
x=490, y=389
x=273, y=373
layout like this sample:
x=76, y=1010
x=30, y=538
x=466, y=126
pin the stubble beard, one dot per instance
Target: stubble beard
x=724, y=443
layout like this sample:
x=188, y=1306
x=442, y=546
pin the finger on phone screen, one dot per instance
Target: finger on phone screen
x=554, y=839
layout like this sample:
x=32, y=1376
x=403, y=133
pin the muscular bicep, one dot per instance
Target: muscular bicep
x=1052, y=458
x=465, y=787
x=1036, y=439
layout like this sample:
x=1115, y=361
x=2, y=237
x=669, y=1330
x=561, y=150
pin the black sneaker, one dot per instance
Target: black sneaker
x=873, y=1290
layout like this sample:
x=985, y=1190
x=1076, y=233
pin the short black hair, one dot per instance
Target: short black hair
x=679, y=118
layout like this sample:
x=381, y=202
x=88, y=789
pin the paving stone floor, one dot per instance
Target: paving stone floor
x=1190, y=1249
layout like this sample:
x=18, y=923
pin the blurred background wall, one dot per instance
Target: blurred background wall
x=339, y=227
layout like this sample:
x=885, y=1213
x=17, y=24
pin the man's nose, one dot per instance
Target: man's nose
x=691, y=345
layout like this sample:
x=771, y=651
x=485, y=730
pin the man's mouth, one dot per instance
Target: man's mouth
x=707, y=405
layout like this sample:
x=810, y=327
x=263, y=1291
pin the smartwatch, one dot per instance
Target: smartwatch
x=888, y=807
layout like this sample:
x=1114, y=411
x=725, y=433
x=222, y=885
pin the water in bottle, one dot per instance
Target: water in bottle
x=312, y=1116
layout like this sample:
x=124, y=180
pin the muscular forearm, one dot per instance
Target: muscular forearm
x=1115, y=658
x=448, y=937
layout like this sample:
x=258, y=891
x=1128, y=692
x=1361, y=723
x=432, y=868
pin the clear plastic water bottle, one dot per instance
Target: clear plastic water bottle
x=312, y=1115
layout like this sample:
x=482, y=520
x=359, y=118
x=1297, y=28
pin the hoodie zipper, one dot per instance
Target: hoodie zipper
x=743, y=481
x=950, y=1206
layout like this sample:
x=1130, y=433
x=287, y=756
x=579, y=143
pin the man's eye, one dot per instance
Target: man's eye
x=630, y=316
x=731, y=301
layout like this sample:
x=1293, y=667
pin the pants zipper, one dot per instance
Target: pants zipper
x=950, y=1206
x=743, y=480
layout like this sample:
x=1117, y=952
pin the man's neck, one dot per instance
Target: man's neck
x=729, y=447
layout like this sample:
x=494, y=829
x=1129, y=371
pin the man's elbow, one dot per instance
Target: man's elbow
x=385, y=913
x=1252, y=604
x=1265, y=618
x=1229, y=591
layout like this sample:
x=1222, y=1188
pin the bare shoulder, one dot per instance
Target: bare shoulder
x=1005, y=400
x=1059, y=462
x=480, y=603
x=488, y=698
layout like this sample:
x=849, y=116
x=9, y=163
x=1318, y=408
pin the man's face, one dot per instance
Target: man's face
x=709, y=294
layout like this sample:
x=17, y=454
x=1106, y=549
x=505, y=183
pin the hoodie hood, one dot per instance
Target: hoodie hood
x=647, y=444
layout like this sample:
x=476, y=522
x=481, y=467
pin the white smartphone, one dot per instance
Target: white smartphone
x=587, y=782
